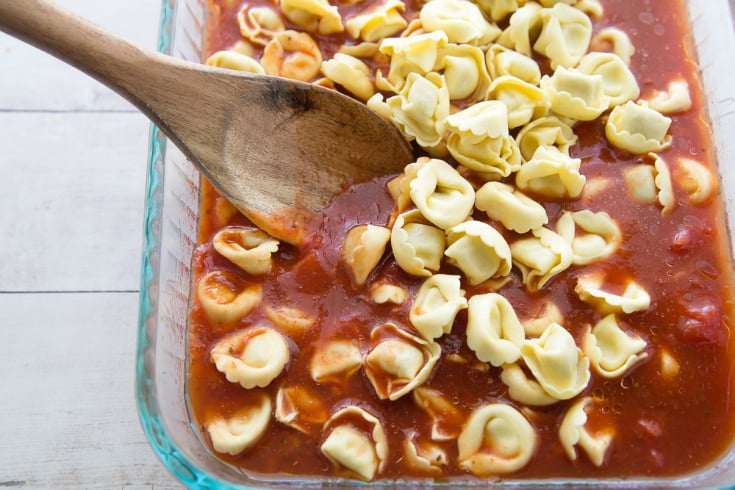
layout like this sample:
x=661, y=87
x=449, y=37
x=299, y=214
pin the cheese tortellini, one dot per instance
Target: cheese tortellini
x=446, y=418
x=551, y=173
x=313, y=15
x=251, y=357
x=335, y=361
x=494, y=332
x=442, y=195
x=478, y=250
x=634, y=297
x=541, y=256
x=437, y=302
x=234, y=434
x=637, y=128
x=479, y=138
x=351, y=73
x=377, y=22
x=556, y=362
x=249, y=248
x=417, y=245
x=398, y=361
x=572, y=432
x=611, y=350
x=223, y=300
x=565, y=35
x=461, y=20
x=356, y=442
x=363, y=248
x=496, y=439
x=509, y=206
x=592, y=236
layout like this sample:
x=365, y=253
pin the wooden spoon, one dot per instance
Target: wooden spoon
x=278, y=149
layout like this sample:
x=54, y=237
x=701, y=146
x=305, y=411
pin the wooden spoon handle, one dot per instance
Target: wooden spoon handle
x=124, y=67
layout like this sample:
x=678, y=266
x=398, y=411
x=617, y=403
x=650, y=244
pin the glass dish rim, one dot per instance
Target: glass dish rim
x=166, y=451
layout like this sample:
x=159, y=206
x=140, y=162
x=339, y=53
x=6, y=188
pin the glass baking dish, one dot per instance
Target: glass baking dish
x=170, y=229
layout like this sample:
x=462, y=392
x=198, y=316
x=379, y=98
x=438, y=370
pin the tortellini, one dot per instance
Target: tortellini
x=619, y=40
x=675, y=99
x=259, y=24
x=292, y=54
x=378, y=22
x=424, y=456
x=494, y=332
x=634, y=297
x=637, y=128
x=299, y=409
x=592, y=236
x=418, y=246
x=251, y=357
x=335, y=361
x=552, y=174
x=383, y=293
x=545, y=131
x=362, y=249
x=479, y=139
x=497, y=439
x=235, y=61
x=515, y=210
x=572, y=432
x=464, y=70
x=248, y=248
x=556, y=362
x=522, y=389
x=698, y=181
x=421, y=108
x=350, y=73
x=611, y=350
x=498, y=10
x=356, y=442
x=223, y=301
x=664, y=186
x=412, y=54
x=292, y=321
x=313, y=15
x=523, y=100
x=437, y=302
x=618, y=82
x=234, y=434
x=442, y=195
x=575, y=94
x=523, y=28
x=478, y=250
x=446, y=418
x=461, y=20
x=502, y=61
x=398, y=361
x=565, y=35
x=541, y=257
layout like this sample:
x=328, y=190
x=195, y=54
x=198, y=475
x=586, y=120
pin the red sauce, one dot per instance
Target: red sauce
x=663, y=426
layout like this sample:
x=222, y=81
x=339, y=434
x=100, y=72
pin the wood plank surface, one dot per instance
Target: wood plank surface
x=72, y=199
x=68, y=417
x=73, y=157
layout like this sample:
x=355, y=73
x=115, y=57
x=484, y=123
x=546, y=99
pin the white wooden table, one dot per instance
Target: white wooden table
x=72, y=174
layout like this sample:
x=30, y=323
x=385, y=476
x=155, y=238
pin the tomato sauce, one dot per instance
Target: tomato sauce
x=663, y=426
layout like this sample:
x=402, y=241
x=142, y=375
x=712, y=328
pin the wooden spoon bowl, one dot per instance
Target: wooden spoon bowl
x=278, y=149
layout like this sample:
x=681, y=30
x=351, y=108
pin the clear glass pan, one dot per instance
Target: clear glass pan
x=170, y=236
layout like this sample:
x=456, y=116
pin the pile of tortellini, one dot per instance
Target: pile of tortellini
x=467, y=92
